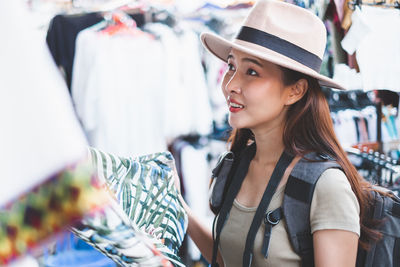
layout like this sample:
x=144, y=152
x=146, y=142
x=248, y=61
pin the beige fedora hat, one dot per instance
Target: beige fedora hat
x=279, y=32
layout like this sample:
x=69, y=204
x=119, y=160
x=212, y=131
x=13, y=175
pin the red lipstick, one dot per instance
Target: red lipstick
x=234, y=106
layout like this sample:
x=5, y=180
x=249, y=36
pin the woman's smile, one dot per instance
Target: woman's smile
x=234, y=106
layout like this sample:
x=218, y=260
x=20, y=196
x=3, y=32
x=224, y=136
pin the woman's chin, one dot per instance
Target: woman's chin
x=236, y=124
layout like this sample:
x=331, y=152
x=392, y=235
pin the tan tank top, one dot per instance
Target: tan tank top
x=334, y=206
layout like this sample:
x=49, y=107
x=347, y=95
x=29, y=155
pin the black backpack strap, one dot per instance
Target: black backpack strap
x=273, y=183
x=297, y=203
x=234, y=188
x=220, y=176
x=239, y=175
x=271, y=219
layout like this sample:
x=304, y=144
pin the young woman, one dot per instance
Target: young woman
x=273, y=93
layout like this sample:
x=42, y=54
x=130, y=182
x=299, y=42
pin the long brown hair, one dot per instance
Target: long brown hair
x=309, y=128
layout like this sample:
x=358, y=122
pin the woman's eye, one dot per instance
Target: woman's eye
x=252, y=72
x=231, y=67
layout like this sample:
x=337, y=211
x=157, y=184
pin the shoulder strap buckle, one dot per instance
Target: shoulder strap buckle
x=273, y=217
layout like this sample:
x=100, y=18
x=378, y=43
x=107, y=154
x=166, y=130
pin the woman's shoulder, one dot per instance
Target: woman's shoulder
x=334, y=204
x=333, y=183
x=333, y=177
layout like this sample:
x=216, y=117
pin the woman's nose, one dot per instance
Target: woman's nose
x=233, y=85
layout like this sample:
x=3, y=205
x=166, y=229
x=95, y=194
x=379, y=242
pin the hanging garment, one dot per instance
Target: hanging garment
x=61, y=38
x=215, y=73
x=132, y=93
x=119, y=98
x=348, y=77
x=355, y=126
x=196, y=105
x=187, y=107
x=375, y=36
x=62, y=33
x=371, y=115
x=145, y=188
x=345, y=127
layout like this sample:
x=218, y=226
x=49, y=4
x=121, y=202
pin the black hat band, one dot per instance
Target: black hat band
x=280, y=46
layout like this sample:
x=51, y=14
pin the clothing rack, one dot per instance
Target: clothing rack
x=376, y=167
x=357, y=100
x=352, y=4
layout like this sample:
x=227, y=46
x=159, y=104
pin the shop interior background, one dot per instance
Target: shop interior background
x=149, y=86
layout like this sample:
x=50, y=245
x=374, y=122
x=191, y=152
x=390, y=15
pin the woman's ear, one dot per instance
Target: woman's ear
x=297, y=91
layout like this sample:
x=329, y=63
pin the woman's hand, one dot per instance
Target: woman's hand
x=177, y=182
x=177, y=179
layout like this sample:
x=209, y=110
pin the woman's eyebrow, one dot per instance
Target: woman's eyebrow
x=252, y=60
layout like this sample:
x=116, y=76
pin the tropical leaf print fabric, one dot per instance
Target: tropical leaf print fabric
x=110, y=231
x=145, y=188
x=75, y=196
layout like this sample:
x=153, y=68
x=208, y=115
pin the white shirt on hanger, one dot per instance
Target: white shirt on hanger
x=117, y=89
x=375, y=35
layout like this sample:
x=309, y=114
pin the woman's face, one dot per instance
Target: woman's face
x=255, y=93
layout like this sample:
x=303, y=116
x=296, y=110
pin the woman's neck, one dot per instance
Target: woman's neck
x=269, y=145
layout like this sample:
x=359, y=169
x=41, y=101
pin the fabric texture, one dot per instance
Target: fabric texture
x=332, y=190
x=110, y=231
x=75, y=196
x=51, y=207
x=144, y=187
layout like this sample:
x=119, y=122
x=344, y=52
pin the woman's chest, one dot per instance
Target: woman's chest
x=234, y=233
x=253, y=186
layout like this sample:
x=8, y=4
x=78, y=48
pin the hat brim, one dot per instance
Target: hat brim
x=221, y=48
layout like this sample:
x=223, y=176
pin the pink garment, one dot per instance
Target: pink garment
x=340, y=8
